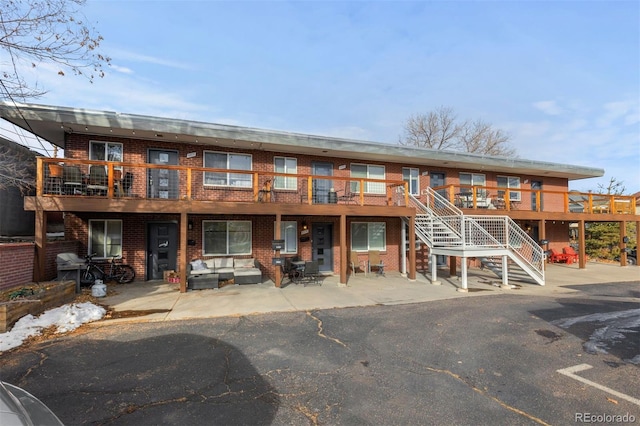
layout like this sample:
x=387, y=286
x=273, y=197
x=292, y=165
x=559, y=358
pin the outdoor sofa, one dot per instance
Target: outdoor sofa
x=207, y=273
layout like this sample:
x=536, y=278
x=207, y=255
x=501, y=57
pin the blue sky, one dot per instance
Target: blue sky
x=561, y=77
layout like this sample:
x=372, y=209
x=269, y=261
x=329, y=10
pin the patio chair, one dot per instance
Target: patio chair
x=127, y=184
x=97, y=181
x=557, y=257
x=570, y=253
x=375, y=262
x=54, y=179
x=72, y=180
x=356, y=263
x=311, y=272
x=345, y=195
x=286, y=269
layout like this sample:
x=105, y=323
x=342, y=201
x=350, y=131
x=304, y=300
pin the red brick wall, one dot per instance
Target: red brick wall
x=17, y=264
x=134, y=231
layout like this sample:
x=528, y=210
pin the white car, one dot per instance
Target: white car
x=19, y=407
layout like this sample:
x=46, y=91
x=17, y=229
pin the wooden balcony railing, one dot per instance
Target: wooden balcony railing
x=508, y=199
x=89, y=178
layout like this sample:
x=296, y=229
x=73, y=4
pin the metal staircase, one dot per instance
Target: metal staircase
x=447, y=231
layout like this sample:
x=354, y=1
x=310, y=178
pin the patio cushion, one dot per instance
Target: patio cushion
x=244, y=263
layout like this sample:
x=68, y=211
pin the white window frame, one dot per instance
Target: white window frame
x=283, y=182
x=109, y=241
x=235, y=180
x=288, y=233
x=207, y=251
x=369, y=187
x=370, y=227
x=411, y=175
x=509, y=182
x=106, y=152
x=477, y=179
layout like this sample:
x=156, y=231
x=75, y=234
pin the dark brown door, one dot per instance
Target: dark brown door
x=162, y=248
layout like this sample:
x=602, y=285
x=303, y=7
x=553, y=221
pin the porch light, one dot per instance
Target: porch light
x=190, y=224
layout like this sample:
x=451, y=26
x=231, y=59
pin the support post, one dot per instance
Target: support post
x=623, y=245
x=40, y=243
x=344, y=263
x=403, y=253
x=582, y=250
x=434, y=269
x=412, y=248
x=505, y=271
x=183, y=251
x=463, y=266
x=278, y=274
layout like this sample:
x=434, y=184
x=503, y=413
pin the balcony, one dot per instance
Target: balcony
x=493, y=199
x=69, y=185
x=96, y=185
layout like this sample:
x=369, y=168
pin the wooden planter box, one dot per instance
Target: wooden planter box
x=56, y=294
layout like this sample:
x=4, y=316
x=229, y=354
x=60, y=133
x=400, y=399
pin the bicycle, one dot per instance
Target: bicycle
x=118, y=272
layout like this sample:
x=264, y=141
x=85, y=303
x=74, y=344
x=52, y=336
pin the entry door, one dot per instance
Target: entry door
x=322, y=245
x=321, y=187
x=162, y=183
x=536, y=185
x=162, y=248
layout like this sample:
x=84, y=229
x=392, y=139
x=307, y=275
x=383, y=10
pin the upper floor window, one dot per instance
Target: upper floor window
x=412, y=177
x=105, y=238
x=105, y=151
x=368, y=236
x=509, y=182
x=231, y=161
x=222, y=237
x=371, y=172
x=285, y=165
x=473, y=179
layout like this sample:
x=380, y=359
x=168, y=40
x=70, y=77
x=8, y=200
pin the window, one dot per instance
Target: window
x=368, y=236
x=109, y=151
x=231, y=161
x=370, y=172
x=510, y=182
x=105, y=238
x=289, y=233
x=412, y=177
x=285, y=165
x=475, y=180
x=223, y=237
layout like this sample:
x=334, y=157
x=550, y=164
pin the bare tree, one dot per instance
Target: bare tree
x=17, y=166
x=614, y=187
x=439, y=129
x=34, y=32
x=436, y=130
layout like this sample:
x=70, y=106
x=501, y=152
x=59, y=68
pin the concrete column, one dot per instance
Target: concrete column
x=434, y=270
x=505, y=271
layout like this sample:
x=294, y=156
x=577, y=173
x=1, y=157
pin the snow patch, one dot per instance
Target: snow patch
x=66, y=318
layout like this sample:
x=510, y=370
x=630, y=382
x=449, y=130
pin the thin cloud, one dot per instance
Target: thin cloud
x=548, y=107
x=126, y=55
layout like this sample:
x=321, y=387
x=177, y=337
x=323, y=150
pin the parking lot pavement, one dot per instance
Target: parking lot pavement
x=169, y=304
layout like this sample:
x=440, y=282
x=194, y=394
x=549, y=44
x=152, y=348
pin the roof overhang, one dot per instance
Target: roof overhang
x=52, y=123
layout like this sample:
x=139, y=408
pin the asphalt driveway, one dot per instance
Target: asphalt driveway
x=489, y=360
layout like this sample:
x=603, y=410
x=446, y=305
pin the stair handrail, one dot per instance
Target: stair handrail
x=453, y=222
x=470, y=227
